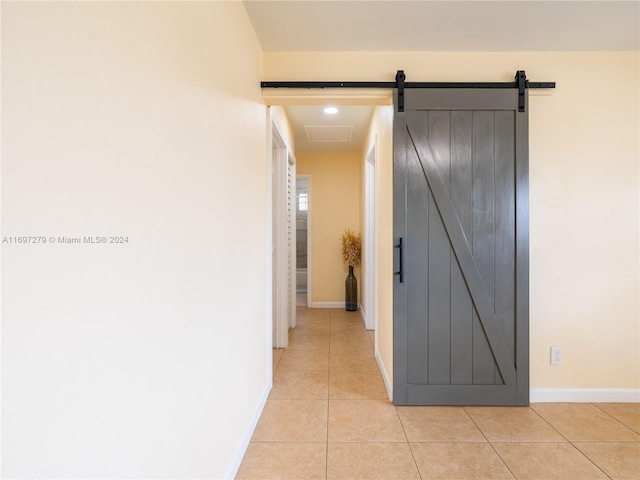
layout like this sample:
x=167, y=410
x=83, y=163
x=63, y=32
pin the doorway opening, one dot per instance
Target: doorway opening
x=342, y=196
x=330, y=145
x=303, y=240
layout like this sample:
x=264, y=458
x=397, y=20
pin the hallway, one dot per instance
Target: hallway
x=329, y=417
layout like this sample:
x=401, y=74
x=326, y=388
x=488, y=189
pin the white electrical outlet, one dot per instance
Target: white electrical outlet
x=557, y=355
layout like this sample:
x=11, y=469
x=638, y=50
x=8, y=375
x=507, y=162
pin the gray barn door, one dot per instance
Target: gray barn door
x=461, y=322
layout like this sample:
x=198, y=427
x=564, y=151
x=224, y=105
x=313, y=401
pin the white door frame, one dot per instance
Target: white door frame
x=282, y=272
x=370, y=280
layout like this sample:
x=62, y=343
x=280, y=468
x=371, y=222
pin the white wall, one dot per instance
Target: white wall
x=381, y=132
x=584, y=191
x=148, y=359
x=280, y=119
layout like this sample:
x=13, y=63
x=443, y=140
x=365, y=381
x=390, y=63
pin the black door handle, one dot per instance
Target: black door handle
x=399, y=272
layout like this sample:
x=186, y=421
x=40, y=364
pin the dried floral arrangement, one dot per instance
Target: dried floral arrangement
x=351, y=248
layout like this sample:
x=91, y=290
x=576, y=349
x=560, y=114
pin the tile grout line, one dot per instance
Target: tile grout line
x=615, y=418
x=464, y=409
x=326, y=442
x=589, y=441
x=591, y=461
x=415, y=462
x=326, y=463
x=570, y=442
x=585, y=456
x=548, y=423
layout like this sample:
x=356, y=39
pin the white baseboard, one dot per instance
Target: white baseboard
x=246, y=439
x=329, y=305
x=385, y=377
x=584, y=395
x=364, y=318
x=326, y=305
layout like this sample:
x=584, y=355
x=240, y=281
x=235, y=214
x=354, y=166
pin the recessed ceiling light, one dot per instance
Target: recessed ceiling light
x=331, y=110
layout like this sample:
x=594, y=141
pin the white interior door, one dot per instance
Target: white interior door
x=283, y=229
x=291, y=238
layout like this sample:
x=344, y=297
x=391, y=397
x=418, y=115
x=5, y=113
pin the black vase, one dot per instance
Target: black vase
x=351, y=291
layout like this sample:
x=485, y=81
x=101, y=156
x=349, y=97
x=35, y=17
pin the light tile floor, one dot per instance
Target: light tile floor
x=329, y=417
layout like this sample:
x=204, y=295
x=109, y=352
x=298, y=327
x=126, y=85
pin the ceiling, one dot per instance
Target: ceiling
x=305, y=120
x=479, y=26
x=419, y=25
